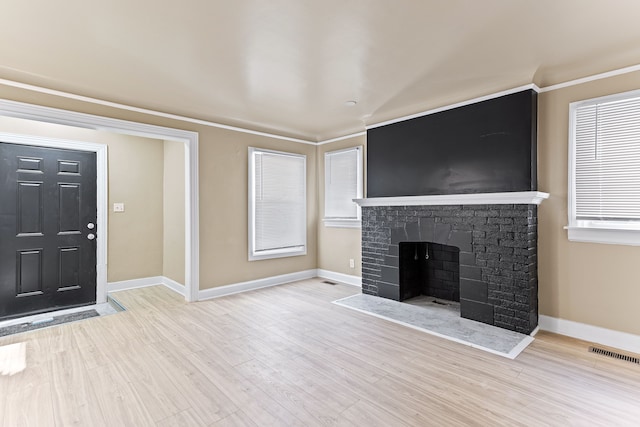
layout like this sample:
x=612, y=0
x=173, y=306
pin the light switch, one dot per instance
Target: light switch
x=118, y=207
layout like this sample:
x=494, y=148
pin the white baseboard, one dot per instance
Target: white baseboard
x=236, y=287
x=173, y=285
x=144, y=282
x=133, y=283
x=255, y=284
x=595, y=334
x=340, y=277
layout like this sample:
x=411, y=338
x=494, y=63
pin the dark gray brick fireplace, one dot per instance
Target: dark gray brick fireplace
x=496, y=249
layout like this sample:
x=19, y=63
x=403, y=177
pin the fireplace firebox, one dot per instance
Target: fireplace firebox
x=428, y=268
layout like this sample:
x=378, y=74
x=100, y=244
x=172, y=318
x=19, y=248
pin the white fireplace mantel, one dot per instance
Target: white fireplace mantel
x=509, y=198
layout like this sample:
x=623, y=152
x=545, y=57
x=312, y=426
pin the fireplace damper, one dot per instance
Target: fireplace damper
x=428, y=268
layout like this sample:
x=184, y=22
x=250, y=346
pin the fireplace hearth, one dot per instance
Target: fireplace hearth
x=493, y=247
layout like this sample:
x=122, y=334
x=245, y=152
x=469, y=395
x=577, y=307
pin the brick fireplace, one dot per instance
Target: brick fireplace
x=490, y=241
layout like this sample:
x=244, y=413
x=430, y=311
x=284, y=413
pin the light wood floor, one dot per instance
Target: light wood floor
x=286, y=356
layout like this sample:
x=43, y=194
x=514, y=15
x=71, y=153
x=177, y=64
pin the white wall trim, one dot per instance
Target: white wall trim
x=119, y=106
x=173, y=285
x=341, y=138
x=235, y=288
x=97, y=101
x=456, y=105
x=190, y=139
x=101, y=195
x=514, y=197
x=610, y=236
x=340, y=277
x=594, y=334
x=124, y=285
x=145, y=282
x=342, y=223
x=591, y=78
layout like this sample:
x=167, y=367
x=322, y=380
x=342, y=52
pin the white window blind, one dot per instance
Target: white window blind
x=343, y=183
x=277, y=204
x=607, y=160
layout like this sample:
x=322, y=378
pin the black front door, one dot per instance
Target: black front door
x=47, y=229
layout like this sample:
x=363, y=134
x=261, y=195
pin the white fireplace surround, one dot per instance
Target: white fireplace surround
x=508, y=198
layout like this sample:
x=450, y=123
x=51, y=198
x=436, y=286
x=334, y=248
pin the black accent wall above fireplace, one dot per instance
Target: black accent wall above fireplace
x=486, y=147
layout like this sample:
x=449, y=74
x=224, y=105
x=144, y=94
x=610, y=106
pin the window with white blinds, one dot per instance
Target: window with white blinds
x=277, y=204
x=605, y=164
x=343, y=183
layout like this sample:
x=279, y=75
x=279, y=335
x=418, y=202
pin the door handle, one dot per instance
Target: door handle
x=91, y=226
x=91, y=236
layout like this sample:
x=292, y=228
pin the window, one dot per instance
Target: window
x=277, y=204
x=343, y=183
x=604, y=170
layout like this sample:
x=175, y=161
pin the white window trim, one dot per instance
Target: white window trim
x=593, y=231
x=275, y=253
x=345, y=222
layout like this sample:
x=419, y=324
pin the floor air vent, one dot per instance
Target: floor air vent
x=615, y=355
x=329, y=282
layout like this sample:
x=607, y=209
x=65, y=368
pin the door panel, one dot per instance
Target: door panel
x=30, y=212
x=47, y=198
x=29, y=280
x=70, y=208
x=69, y=268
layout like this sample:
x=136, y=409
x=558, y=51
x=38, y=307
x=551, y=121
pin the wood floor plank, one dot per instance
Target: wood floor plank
x=30, y=406
x=294, y=398
x=119, y=402
x=185, y=418
x=237, y=419
x=363, y=413
x=287, y=356
x=207, y=401
x=157, y=390
x=291, y=367
x=258, y=405
x=74, y=400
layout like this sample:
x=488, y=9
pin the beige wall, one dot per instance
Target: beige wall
x=135, y=178
x=337, y=245
x=596, y=284
x=224, y=209
x=173, y=211
x=135, y=235
x=223, y=179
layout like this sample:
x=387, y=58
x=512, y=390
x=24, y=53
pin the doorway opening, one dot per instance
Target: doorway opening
x=80, y=120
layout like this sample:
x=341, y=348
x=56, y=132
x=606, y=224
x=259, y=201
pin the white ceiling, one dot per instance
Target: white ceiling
x=289, y=66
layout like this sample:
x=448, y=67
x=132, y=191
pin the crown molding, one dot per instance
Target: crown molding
x=456, y=105
x=341, y=138
x=150, y=112
x=119, y=106
x=591, y=78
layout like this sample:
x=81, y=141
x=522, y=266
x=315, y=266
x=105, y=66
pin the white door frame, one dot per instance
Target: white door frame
x=88, y=121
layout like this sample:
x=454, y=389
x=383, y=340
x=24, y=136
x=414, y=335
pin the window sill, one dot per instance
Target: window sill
x=277, y=253
x=611, y=236
x=342, y=223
